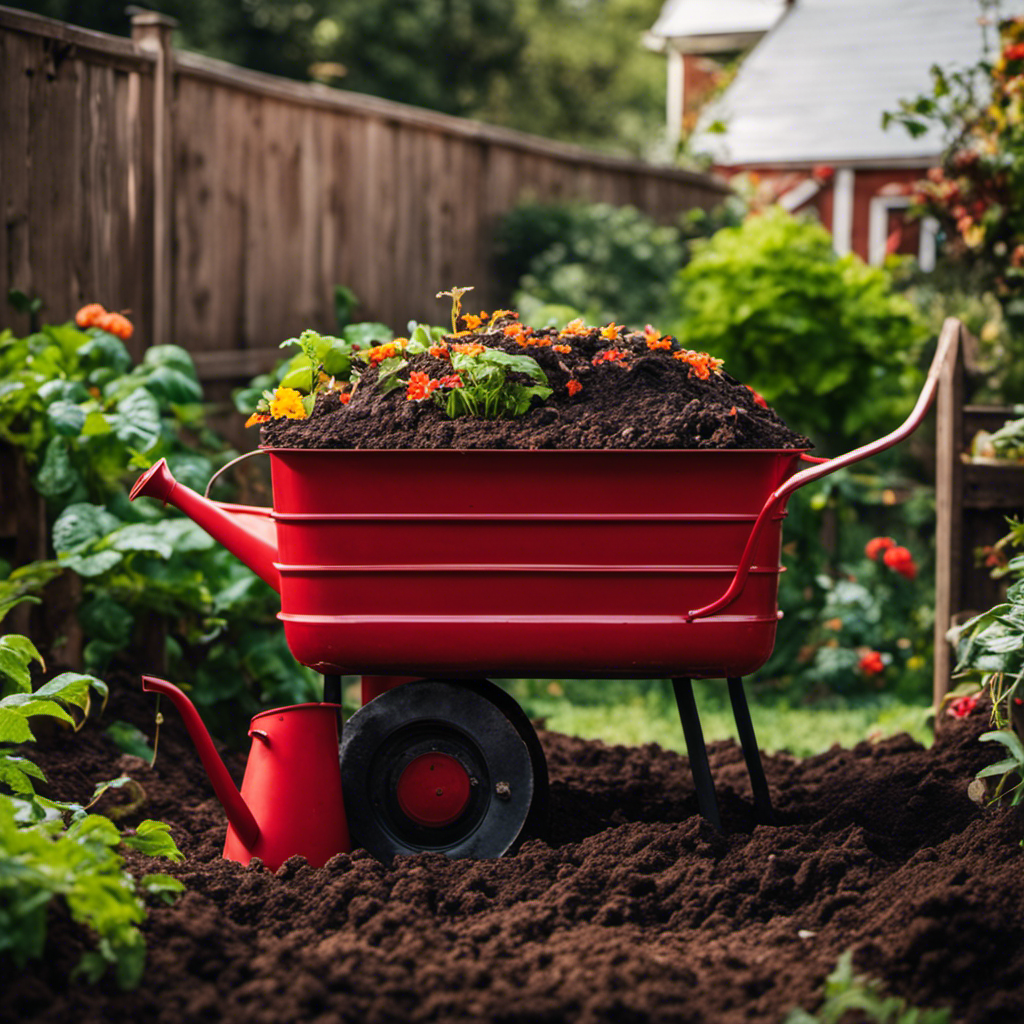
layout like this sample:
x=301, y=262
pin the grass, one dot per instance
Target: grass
x=637, y=712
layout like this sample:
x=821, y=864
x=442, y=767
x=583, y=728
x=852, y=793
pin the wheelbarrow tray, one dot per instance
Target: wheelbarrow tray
x=538, y=563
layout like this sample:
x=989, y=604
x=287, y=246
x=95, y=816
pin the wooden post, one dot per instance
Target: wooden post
x=152, y=32
x=949, y=444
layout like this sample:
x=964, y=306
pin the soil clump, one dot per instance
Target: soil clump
x=634, y=909
x=606, y=393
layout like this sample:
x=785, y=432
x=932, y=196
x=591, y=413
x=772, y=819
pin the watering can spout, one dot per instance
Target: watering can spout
x=238, y=813
x=248, y=533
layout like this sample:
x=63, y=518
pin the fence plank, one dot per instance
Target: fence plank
x=281, y=190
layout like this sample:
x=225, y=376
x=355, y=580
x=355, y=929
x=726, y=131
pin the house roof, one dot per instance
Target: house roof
x=815, y=87
x=685, y=19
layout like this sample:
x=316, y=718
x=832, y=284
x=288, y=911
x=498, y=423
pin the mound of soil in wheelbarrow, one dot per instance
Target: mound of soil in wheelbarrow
x=634, y=910
x=606, y=393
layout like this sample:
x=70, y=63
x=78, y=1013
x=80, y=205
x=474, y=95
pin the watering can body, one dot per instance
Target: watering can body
x=291, y=801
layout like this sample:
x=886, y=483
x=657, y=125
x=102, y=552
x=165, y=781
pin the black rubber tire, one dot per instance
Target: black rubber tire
x=453, y=718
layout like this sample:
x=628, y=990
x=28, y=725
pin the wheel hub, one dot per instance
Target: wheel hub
x=433, y=790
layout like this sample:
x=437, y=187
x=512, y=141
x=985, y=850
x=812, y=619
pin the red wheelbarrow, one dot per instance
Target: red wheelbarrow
x=428, y=571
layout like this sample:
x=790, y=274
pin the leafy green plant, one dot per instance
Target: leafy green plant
x=479, y=384
x=50, y=849
x=990, y=661
x=822, y=337
x=847, y=992
x=83, y=415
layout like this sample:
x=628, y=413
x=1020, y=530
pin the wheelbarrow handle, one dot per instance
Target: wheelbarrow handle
x=945, y=350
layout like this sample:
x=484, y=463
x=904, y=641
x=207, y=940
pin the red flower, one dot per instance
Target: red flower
x=901, y=560
x=871, y=664
x=573, y=386
x=451, y=381
x=345, y=397
x=758, y=400
x=823, y=173
x=420, y=387
x=1015, y=52
x=877, y=545
x=612, y=355
x=963, y=706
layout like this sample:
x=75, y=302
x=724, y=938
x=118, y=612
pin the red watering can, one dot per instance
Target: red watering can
x=290, y=803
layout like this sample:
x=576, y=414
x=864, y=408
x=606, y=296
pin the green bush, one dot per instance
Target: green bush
x=51, y=850
x=85, y=416
x=599, y=261
x=822, y=337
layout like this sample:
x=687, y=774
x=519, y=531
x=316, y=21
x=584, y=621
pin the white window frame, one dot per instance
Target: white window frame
x=878, y=231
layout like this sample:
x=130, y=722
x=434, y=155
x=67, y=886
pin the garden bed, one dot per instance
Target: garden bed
x=636, y=910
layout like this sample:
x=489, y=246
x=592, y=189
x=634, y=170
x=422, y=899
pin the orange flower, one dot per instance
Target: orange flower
x=472, y=322
x=468, y=348
x=574, y=328
x=612, y=332
x=573, y=386
x=378, y=353
x=440, y=350
x=655, y=340
x=257, y=417
x=420, y=387
x=732, y=411
x=878, y=545
x=89, y=315
x=116, y=324
x=564, y=349
x=700, y=362
x=345, y=397
x=514, y=331
x=499, y=313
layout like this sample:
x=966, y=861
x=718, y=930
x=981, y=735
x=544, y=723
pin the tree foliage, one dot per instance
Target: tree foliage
x=569, y=69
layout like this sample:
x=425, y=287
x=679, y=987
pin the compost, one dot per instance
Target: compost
x=634, y=909
x=637, y=397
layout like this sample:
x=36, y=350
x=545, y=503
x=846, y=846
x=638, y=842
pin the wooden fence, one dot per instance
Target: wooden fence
x=221, y=205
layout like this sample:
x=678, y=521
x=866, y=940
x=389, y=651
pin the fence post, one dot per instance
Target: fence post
x=152, y=31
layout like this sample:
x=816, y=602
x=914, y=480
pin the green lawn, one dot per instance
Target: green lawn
x=633, y=713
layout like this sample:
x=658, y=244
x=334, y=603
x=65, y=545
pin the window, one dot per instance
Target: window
x=892, y=232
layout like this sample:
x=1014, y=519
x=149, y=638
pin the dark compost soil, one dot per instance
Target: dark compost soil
x=636, y=910
x=645, y=399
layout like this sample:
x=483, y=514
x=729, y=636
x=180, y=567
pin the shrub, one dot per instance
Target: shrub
x=598, y=261
x=822, y=337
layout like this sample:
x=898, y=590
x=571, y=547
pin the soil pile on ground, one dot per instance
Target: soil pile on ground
x=634, y=910
x=606, y=393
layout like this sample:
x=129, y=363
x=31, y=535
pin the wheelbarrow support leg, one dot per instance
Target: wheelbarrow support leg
x=707, y=802
x=758, y=782
x=332, y=689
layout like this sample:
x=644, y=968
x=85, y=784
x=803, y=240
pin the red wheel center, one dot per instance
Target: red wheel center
x=433, y=790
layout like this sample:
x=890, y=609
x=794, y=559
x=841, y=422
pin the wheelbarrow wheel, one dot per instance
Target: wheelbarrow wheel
x=439, y=766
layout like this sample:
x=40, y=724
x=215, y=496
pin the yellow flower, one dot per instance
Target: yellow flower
x=287, y=402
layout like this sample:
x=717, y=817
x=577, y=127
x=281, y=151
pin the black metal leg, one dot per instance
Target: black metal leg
x=332, y=689
x=758, y=782
x=707, y=802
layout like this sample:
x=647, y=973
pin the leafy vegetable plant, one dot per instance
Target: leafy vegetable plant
x=50, y=849
x=848, y=993
x=990, y=650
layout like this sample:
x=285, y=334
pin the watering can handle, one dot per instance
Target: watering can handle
x=945, y=352
x=228, y=465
